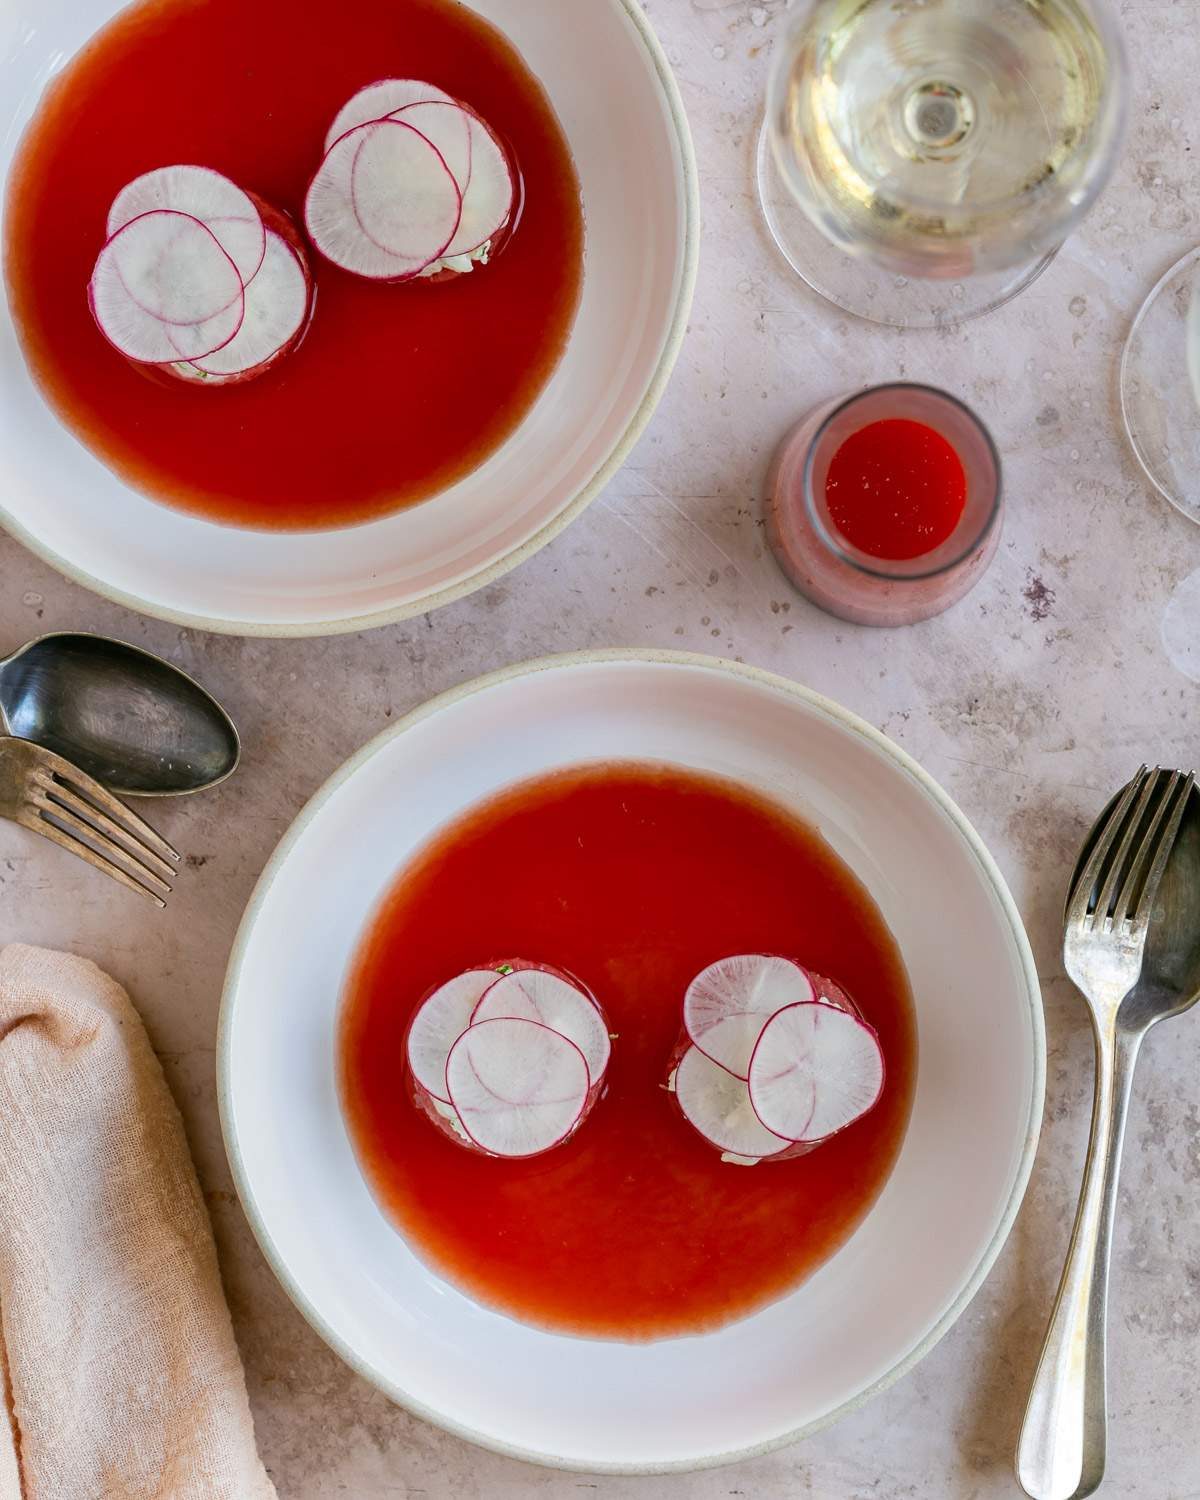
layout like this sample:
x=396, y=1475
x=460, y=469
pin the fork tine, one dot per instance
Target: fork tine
x=58, y=795
x=1081, y=895
x=1162, y=853
x=85, y=786
x=37, y=823
x=74, y=826
x=1112, y=876
x=1145, y=850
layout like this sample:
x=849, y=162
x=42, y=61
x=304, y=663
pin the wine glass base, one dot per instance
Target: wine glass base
x=1160, y=393
x=866, y=290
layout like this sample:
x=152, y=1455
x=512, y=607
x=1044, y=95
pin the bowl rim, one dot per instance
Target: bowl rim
x=568, y=661
x=579, y=502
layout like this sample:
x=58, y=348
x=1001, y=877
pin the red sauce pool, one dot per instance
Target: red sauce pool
x=634, y=878
x=396, y=391
x=896, y=489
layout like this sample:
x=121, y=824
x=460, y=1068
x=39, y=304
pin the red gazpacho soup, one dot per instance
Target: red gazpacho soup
x=395, y=391
x=896, y=489
x=633, y=877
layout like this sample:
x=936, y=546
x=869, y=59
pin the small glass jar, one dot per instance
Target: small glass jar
x=839, y=577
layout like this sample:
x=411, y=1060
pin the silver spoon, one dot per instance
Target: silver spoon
x=1061, y=1453
x=137, y=724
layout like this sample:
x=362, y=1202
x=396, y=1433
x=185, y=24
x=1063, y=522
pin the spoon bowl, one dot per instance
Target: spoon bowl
x=136, y=723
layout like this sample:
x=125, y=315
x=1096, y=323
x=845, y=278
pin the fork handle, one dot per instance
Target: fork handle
x=1060, y=1455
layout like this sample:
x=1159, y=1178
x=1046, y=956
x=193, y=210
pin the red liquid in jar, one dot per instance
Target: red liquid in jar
x=396, y=391
x=634, y=878
x=895, y=489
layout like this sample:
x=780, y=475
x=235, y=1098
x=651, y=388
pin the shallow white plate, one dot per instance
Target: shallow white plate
x=871, y=1311
x=618, y=104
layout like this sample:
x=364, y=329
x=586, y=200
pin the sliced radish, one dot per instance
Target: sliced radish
x=278, y=301
x=448, y=127
x=487, y=198
x=405, y=196
x=380, y=99
x=163, y=289
x=518, y=1087
x=173, y=267
x=382, y=179
x=382, y=188
x=333, y=225
x=439, y=1022
x=718, y=1105
x=220, y=205
x=728, y=1004
x=541, y=994
x=815, y=1070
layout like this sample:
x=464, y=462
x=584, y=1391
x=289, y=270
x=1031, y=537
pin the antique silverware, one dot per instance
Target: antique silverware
x=1132, y=947
x=45, y=793
x=129, y=719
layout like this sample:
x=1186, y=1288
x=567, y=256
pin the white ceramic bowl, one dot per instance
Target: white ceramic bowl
x=618, y=104
x=875, y=1308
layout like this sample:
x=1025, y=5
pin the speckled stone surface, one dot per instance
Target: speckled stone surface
x=1030, y=702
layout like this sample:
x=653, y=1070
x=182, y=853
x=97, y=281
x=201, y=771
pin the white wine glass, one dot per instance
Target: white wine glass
x=1160, y=385
x=921, y=161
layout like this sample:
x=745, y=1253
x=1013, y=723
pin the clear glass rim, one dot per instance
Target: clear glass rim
x=1188, y=258
x=1107, y=131
x=851, y=558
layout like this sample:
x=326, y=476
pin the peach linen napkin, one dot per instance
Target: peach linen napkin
x=119, y=1375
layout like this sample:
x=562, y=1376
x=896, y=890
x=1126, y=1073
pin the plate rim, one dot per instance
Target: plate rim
x=762, y=678
x=578, y=503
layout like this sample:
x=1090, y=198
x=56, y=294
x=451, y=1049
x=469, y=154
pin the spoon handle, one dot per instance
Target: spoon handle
x=1060, y=1454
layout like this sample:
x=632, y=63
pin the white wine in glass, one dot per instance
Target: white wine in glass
x=921, y=160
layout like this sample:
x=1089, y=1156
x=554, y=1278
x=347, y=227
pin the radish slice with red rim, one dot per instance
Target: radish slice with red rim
x=718, y=1105
x=333, y=225
x=277, y=306
x=447, y=127
x=816, y=1069
x=519, y=1088
x=402, y=188
x=220, y=205
x=164, y=289
x=728, y=1004
x=440, y=1020
x=380, y=99
x=173, y=267
x=488, y=196
x=404, y=194
x=541, y=994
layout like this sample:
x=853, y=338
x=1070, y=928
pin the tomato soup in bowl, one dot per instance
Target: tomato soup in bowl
x=414, y=438
x=634, y=878
x=396, y=391
x=453, y=843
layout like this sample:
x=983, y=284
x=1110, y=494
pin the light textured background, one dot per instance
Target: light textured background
x=1030, y=702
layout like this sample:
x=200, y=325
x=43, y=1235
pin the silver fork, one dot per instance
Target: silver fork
x=47, y=794
x=1061, y=1452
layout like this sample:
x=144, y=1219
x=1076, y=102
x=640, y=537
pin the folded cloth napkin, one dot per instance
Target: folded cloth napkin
x=119, y=1375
